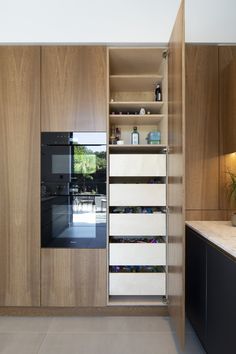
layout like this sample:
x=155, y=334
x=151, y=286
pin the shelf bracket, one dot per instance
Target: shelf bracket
x=165, y=300
x=165, y=54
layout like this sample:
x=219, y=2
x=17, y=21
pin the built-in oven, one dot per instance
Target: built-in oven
x=73, y=190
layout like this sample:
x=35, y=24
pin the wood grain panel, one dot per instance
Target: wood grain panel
x=74, y=88
x=176, y=127
x=227, y=77
x=192, y=215
x=202, y=127
x=19, y=177
x=227, y=81
x=73, y=277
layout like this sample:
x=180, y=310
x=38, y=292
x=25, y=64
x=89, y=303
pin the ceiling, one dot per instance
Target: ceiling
x=110, y=21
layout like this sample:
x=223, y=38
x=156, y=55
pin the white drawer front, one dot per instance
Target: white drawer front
x=137, y=194
x=137, y=283
x=137, y=254
x=138, y=224
x=138, y=165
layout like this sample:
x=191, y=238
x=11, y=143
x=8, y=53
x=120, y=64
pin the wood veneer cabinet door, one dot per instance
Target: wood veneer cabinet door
x=227, y=74
x=176, y=159
x=202, y=127
x=73, y=277
x=19, y=177
x=74, y=88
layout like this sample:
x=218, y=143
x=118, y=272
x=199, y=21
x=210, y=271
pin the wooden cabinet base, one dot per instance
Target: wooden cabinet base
x=85, y=311
x=73, y=277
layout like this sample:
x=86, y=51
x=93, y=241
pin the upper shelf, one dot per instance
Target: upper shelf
x=134, y=82
x=135, y=119
x=136, y=61
x=134, y=106
x=137, y=148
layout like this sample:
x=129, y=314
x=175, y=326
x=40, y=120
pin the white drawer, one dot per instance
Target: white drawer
x=137, y=283
x=137, y=194
x=137, y=254
x=138, y=224
x=138, y=165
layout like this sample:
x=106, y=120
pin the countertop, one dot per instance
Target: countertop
x=221, y=233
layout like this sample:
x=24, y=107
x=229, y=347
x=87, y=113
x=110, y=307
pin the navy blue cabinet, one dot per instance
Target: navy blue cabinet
x=210, y=294
x=221, y=302
x=196, y=283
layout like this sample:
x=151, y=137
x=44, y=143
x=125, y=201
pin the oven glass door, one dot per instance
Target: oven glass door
x=77, y=221
x=73, y=190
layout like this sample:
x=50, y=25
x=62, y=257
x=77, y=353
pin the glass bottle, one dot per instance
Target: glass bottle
x=158, y=94
x=135, y=136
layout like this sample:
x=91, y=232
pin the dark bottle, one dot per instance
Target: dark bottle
x=158, y=94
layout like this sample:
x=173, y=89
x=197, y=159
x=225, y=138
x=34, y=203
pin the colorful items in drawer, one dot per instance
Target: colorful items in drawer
x=138, y=210
x=136, y=240
x=136, y=269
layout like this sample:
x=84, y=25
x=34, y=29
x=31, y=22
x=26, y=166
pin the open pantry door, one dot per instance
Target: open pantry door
x=176, y=199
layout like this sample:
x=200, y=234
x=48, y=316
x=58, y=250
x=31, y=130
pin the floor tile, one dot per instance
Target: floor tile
x=98, y=343
x=188, y=327
x=109, y=324
x=24, y=324
x=20, y=343
x=193, y=345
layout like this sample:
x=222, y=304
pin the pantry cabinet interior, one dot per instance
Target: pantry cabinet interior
x=137, y=177
x=74, y=87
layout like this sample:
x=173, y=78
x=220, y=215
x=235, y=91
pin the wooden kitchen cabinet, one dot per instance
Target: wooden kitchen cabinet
x=202, y=128
x=67, y=87
x=74, y=88
x=20, y=176
x=227, y=84
x=73, y=277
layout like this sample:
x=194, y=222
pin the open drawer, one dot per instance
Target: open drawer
x=137, y=284
x=137, y=254
x=137, y=224
x=122, y=165
x=137, y=194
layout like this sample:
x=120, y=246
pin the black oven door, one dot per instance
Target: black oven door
x=74, y=221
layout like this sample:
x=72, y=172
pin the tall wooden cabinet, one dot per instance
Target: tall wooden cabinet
x=74, y=97
x=20, y=176
x=74, y=84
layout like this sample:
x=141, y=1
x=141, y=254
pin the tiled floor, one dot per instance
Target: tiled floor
x=92, y=335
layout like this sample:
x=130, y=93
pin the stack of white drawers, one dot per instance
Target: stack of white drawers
x=137, y=224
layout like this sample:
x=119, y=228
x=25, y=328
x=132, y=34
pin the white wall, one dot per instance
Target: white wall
x=81, y=21
x=210, y=21
x=114, y=21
